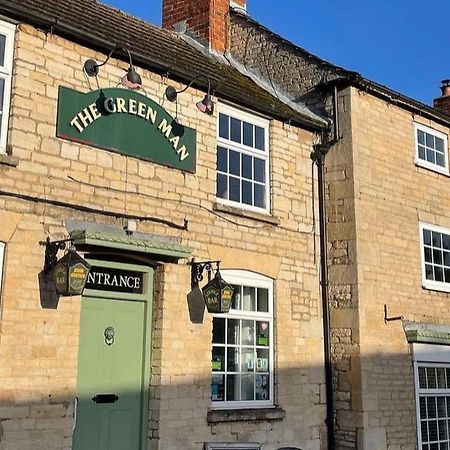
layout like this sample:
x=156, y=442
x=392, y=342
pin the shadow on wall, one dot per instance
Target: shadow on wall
x=177, y=417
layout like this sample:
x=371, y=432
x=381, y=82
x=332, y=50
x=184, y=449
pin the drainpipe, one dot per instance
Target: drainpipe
x=318, y=157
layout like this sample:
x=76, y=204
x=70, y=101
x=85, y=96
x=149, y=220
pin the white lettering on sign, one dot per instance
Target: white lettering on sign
x=106, y=279
x=119, y=105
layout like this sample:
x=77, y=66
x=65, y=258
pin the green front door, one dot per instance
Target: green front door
x=111, y=374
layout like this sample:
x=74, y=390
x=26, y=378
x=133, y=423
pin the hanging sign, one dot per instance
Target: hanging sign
x=127, y=122
x=115, y=280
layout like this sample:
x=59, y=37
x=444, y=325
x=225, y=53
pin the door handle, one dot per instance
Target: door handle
x=105, y=398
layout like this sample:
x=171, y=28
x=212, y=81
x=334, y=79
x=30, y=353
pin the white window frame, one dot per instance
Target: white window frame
x=8, y=30
x=233, y=446
x=243, y=149
x=2, y=263
x=422, y=162
x=247, y=278
x=431, y=284
x=428, y=355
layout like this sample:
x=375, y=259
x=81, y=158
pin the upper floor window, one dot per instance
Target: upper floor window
x=435, y=244
x=242, y=344
x=243, y=160
x=6, y=62
x=431, y=149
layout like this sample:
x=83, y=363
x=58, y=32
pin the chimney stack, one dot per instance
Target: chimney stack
x=443, y=103
x=207, y=18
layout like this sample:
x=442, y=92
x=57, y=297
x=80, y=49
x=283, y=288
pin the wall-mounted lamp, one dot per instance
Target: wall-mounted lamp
x=217, y=293
x=205, y=106
x=70, y=272
x=131, y=80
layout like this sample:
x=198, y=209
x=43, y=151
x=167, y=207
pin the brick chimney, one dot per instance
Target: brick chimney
x=207, y=18
x=443, y=103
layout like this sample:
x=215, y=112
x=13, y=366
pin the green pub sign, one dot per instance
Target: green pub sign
x=126, y=122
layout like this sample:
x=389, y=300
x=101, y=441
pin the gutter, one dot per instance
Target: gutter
x=91, y=40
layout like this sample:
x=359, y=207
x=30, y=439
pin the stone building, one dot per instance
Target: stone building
x=388, y=233
x=139, y=185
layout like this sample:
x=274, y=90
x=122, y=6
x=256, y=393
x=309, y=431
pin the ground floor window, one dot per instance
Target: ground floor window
x=242, y=344
x=433, y=405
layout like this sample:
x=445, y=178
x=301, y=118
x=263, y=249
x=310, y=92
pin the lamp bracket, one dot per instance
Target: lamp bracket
x=390, y=319
x=197, y=269
x=51, y=250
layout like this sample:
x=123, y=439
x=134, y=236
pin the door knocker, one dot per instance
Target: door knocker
x=110, y=333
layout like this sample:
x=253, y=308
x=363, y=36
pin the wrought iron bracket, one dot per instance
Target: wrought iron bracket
x=197, y=269
x=51, y=250
x=390, y=319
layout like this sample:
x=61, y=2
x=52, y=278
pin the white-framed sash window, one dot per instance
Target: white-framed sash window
x=431, y=148
x=7, y=32
x=242, y=344
x=242, y=160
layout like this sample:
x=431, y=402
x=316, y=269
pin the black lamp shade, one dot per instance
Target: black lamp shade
x=206, y=105
x=70, y=274
x=132, y=79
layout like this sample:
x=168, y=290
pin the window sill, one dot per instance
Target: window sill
x=8, y=160
x=432, y=168
x=247, y=415
x=247, y=214
x=436, y=287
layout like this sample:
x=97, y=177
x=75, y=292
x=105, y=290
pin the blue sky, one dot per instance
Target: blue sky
x=403, y=44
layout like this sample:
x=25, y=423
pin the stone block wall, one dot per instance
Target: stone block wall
x=39, y=335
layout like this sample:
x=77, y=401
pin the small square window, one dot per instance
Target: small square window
x=431, y=149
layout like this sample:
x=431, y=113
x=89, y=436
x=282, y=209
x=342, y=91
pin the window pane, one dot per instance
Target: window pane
x=222, y=159
x=235, y=163
x=422, y=377
x=249, y=299
x=428, y=254
x=446, y=241
x=248, y=134
x=248, y=332
x=248, y=360
x=427, y=237
x=439, y=144
x=440, y=159
x=218, y=331
x=438, y=274
x=421, y=137
x=262, y=360
x=2, y=93
x=233, y=331
x=436, y=239
x=232, y=388
x=235, y=130
x=222, y=188
x=247, y=387
x=263, y=334
x=260, y=170
x=218, y=359
x=263, y=300
x=262, y=387
x=260, y=196
x=429, y=272
x=259, y=138
x=235, y=189
x=247, y=193
x=429, y=140
x=431, y=156
x=446, y=258
x=217, y=387
x=437, y=257
x=236, y=299
x=247, y=167
x=2, y=49
x=232, y=359
x=447, y=275
x=224, y=126
x=422, y=154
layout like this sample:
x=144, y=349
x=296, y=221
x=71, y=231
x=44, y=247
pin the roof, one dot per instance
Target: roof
x=344, y=76
x=101, y=27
